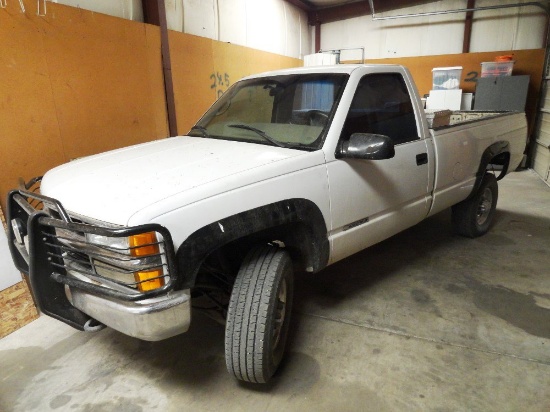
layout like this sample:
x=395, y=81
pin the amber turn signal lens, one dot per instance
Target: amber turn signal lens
x=156, y=281
x=144, y=244
x=141, y=245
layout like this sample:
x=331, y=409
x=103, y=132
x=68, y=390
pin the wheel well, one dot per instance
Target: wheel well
x=499, y=162
x=296, y=224
x=495, y=157
x=296, y=238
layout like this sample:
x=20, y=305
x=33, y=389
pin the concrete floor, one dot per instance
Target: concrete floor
x=424, y=321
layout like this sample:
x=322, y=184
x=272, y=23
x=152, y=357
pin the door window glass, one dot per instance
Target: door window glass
x=382, y=105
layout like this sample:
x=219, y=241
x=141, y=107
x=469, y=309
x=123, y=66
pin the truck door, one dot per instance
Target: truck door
x=372, y=200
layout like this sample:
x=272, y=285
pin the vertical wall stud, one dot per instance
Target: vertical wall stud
x=468, y=27
x=317, y=37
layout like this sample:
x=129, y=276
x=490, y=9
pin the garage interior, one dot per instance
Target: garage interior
x=426, y=320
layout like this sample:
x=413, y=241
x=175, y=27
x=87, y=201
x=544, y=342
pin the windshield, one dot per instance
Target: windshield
x=287, y=111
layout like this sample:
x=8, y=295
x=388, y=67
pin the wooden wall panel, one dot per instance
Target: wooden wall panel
x=74, y=83
x=30, y=138
x=202, y=69
x=192, y=65
x=99, y=71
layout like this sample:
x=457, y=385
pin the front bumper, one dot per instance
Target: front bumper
x=151, y=319
x=66, y=281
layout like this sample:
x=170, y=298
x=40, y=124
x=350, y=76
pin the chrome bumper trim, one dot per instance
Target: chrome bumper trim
x=151, y=319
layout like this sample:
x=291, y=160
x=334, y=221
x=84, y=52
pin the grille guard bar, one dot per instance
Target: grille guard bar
x=48, y=281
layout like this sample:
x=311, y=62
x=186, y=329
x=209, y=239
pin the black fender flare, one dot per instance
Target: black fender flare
x=304, y=216
x=490, y=153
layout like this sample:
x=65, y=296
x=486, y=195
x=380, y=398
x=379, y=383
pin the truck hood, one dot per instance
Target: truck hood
x=113, y=186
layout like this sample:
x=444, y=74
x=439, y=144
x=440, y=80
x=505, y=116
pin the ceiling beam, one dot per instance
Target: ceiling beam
x=302, y=5
x=358, y=9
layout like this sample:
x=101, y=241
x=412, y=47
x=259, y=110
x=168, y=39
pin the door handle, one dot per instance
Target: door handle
x=422, y=159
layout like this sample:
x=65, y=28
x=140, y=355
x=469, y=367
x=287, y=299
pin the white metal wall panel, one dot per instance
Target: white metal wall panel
x=200, y=18
x=233, y=16
x=293, y=31
x=502, y=29
x=275, y=26
x=507, y=29
x=126, y=9
x=541, y=149
x=174, y=14
x=265, y=25
x=422, y=36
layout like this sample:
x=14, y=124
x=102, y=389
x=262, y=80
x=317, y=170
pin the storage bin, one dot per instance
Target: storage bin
x=446, y=78
x=495, y=69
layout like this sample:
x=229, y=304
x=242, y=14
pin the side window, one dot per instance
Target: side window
x=382, y=105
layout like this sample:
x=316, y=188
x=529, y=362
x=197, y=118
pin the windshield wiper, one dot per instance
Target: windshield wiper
x=202, y=131
x=260, y=133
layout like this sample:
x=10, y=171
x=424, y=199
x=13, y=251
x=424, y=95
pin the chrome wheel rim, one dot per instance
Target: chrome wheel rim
x=484, y=206
x=280, y=313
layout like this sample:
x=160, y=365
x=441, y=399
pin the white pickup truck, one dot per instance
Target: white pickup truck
x=289, y=171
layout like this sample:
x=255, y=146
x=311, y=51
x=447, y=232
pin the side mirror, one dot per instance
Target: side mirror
x=368, y=146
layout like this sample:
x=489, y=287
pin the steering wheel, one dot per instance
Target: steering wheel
x=316, y=117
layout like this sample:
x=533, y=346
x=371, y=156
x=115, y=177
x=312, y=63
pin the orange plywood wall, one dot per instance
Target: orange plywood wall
x=203, y=69
x=76, y=83
x=529, y=62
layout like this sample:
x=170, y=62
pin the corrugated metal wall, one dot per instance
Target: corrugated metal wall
x=502, y=29
x=275, y=26
x=541, y=148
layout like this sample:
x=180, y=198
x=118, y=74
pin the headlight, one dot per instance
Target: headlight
x=142, y=250
x=120, y=243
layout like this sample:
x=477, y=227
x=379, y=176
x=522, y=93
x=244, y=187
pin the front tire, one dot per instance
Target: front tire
x=259, y=314
x=473, y=216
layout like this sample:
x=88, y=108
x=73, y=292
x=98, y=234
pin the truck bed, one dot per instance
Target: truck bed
x=460, y=146
x=438, y=119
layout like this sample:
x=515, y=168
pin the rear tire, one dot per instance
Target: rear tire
x=259, y=314
x=473, y=216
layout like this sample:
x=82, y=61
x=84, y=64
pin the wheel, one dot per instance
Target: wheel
x=473, y=217
x=317, y=117
x=259, y=314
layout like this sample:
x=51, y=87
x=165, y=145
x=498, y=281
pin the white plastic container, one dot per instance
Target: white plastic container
x=446, y=78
